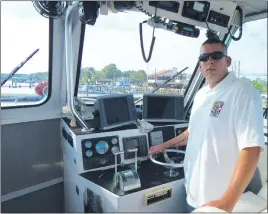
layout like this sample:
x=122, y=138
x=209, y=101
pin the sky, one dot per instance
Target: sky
x=115, y=39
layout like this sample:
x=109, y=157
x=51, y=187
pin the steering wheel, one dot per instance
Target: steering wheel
x=169, y=163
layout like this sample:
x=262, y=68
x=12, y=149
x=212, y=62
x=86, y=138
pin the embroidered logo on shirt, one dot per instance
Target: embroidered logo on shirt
x=216, y=109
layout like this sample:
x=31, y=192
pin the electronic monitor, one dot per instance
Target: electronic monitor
x=163, y=108
x=115, y=111
x=139, y=142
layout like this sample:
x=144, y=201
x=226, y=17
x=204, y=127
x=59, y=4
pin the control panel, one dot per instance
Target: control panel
x=93, y=151
x=139, y=142
x=98, y=152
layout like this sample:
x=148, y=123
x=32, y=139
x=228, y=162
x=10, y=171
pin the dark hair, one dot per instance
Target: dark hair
x=215, y=41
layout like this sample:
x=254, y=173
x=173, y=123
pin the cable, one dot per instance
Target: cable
x=241, y=25
x=142, y=46
x=152, y=41
x=156, y=18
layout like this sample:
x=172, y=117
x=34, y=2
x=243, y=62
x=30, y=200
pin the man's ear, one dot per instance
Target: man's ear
x=229, y=61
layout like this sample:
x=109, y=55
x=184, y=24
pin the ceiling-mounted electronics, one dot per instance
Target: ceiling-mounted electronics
x=195, y=13
x=184, y=29
x=115, y=110
x=196, y=10
x=88, y=11
x=218, y=18
x=51, y=9
x=172, y=6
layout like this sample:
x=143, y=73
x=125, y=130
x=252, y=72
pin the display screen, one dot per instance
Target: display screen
x=116, y=110
x=199, y=7
x=161, y=107
x=156, y=137
x=131, y=144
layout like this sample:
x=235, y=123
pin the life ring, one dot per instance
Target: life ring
x=41, y=88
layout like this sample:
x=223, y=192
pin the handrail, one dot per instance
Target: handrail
x=70, y=64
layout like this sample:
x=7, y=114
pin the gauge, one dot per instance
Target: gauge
x=89, y=153
x=115, y=149
x=88, y=144
x=102, y=147
x=114, y=140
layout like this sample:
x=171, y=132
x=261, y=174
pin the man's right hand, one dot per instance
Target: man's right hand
x=180, y=140
x=157, y=148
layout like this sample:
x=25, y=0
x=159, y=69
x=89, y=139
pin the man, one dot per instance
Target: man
x=225, y=134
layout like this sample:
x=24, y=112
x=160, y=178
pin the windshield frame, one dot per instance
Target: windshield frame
x=80, y=56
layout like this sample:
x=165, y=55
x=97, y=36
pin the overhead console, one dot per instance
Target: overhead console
x=214, y=15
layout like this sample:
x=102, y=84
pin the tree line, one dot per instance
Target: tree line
x=89, y=74
x=260, y=85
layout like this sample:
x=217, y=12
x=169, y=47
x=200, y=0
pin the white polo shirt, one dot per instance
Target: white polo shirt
x=224, y=120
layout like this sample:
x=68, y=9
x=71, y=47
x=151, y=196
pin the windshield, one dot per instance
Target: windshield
x=25, y=51
x=112, y=61
x=249, y=56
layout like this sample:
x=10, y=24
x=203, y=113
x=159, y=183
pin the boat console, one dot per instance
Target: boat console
x=108, y=169
x=114, y=167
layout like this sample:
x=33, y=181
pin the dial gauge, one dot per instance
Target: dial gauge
x=102, y=147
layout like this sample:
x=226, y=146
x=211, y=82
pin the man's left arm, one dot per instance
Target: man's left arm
x=243, y=173
x=248, y=124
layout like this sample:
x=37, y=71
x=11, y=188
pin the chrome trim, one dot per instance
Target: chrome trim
x=169, y=165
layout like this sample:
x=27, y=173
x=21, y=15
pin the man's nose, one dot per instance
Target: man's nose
x=211, y=61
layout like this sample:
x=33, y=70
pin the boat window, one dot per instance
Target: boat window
x=24, y=53
x=112, y=61
x=249, y=56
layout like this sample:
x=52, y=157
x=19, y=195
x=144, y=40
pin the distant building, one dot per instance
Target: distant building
x=159, y=77
x=124, y=81
x=104, y=81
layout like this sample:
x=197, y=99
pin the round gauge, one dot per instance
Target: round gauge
x=88, y=144
x=115, y=149
x=114, y=141
x=89, y=153
x=102, y=147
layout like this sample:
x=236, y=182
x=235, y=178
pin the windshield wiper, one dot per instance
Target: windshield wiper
x=164, y=83
x=18, y=67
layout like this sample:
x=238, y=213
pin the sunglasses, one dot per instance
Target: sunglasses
x=214, y=55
